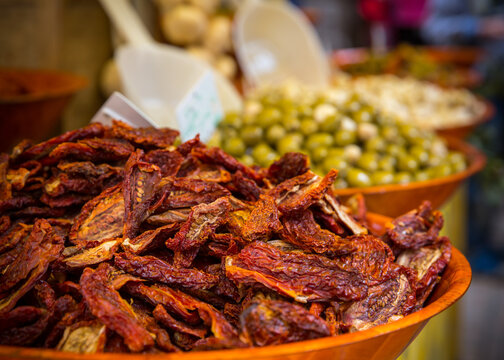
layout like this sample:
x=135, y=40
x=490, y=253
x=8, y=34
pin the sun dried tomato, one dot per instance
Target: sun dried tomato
x=100, y=219
x=288, y=166
x=64, y=201
x=90, y=256
x=41, y=248
x=97, y=150
x=152, y=268
x=41, y=150
x=245, y=187
x=150, y=239
x=202, y=222
x=161, y=315
x=385, y=302
x=143, y=137
x=169, y=161
x=273, y=322
x=427, y=262
x=84, y=337
x=17, y=203
x=139, y=188
x=187, y=192
x=415, y=229
x=107, y=305
x=263, y=220
x=303, y=277
x=219, y=157
x=169, y=217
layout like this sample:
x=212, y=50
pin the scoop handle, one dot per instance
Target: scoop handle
x=127, y=21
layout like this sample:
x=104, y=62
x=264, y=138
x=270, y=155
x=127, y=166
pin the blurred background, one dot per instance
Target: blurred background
x=360, y=37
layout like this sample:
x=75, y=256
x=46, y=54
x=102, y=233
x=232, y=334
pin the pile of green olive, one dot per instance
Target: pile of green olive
x=367, y=148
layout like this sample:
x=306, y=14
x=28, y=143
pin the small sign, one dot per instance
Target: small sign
x=200, y=110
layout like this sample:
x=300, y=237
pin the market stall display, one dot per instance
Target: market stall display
x=114, y=239
x=419, y=103
x=448, y=67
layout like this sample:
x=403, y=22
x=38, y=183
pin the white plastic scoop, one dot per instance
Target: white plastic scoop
x=275, y=42
x=174, y=88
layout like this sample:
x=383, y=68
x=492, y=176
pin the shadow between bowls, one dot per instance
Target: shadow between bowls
x=383, y=342
x=396, y=199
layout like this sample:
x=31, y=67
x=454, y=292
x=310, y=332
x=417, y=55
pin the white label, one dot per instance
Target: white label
x=200, y=110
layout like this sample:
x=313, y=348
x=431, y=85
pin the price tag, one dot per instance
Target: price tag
x=200, y=110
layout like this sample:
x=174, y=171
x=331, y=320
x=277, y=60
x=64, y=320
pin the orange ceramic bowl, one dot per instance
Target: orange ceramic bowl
x=31, y=103
x=394, y=200
x=384, y=342
x=461, y=132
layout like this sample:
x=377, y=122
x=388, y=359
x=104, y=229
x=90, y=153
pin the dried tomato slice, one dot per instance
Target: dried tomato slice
x=143, y=137
x=96, y=150
x=303, y=277
x=111, y=309
x=288, y=166
x=274, y=322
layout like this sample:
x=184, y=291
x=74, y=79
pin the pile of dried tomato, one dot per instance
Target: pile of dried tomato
x=114, y=240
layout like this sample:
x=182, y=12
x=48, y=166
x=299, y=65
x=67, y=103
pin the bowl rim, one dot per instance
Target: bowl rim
x=460, y=281
x=475, y=156
x=73, y=84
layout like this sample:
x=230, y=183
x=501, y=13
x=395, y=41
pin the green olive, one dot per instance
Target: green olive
x=376, y=144
x=358, y=178
x=251, y=135
x=291, y=123
x=440, y=171
x=345, y=137
x=228, y=132
x=352, y=153
x=215, y=140
x=275, y=133
x=340, y=183
x=247, y=160
x=387, y=163
x=420, y=154
x=409, y=131
x=394, y=150
x=263, y=154
x=268, y=117
x=290, y=143
x=336, y=163
x=368, y=161
x=336, y=152
x=402, y=177
x=407, y=163
x=318, y=139
x=457, y=161
x=305, y=110
x=234, y=146
x=308, y=126
x=319, y=154
x=329, y=124
x=382, y=177
x=232, y=119
x=363, y=115
x=422, y=175
x=389, y=132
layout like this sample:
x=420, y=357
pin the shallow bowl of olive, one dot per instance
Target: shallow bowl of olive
x=395, y=199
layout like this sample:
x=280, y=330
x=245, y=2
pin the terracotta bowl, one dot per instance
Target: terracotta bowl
x=31, y=103
x=461, y=132
x=384, y=342
x=394, y=200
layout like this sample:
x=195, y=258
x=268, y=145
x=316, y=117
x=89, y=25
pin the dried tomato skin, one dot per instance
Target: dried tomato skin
x=288, y=166
x=40, y=249
x=150, y=239
x=415, y=229
x=44, y=148
x=107, y=305
x=98, y=150
x=100, y=219
x=161, y=315
x=304, y=277
x=263, y=220
x=149, y=267
x=273, y=322
x=139, y=188
x=146, y=138
x=169, y=161
x=247, y=188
